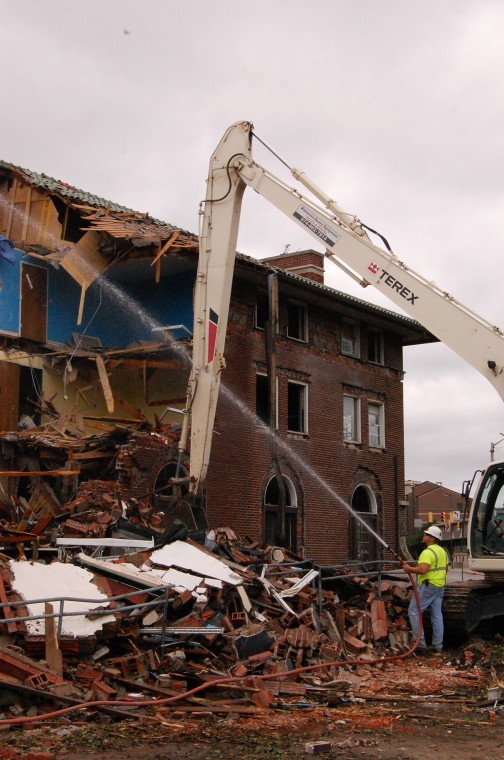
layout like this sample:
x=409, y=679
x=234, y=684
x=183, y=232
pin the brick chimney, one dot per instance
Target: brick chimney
x=309, y=264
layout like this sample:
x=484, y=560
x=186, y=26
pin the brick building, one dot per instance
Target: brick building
x=338, y=375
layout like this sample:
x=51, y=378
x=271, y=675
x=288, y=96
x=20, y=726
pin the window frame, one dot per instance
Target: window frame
x=378, y=342
x=259, y=421
x=271, y=514
x=261, y=300
x=356, y=414
x=354, y=326
x=381, y=424
x=302, y=320
x=303, y=412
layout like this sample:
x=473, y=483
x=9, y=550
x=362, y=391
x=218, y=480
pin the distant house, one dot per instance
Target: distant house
x=95, y=327
x=432, y=503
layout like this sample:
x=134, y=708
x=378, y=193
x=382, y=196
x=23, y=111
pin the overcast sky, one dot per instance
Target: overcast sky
x=394, y=108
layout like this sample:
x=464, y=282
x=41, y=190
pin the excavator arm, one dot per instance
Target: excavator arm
x=347, y=244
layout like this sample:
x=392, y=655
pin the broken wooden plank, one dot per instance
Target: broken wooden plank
x=107, y=390
x=41, y=473
x=63, y=421
x=53, y=654
x=177, y=364
x=97, y=454
x=124, y=420
x=7, y=611
x=165, y=247
x=168, y=402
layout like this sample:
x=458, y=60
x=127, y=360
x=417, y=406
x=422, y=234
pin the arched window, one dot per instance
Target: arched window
x=273, y=514
x=169, y=500
x=364, y=545
x=164, y=491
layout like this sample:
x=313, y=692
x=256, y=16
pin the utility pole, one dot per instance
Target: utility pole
x=492, y=447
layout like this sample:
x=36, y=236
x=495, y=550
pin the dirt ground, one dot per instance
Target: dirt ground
x=406, y=709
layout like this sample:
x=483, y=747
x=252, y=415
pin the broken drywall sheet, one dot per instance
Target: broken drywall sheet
x=123, y=571
x=181, y=580
x=186, y=557
x=37, y=581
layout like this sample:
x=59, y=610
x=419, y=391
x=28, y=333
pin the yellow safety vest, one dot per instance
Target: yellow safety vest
x=437, y=559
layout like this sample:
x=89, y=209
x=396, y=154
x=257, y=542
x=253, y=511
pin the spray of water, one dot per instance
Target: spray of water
x=302, y=464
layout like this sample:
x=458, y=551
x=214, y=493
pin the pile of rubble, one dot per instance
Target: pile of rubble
x=105, y=593
x=56, y=482
x=247, y=626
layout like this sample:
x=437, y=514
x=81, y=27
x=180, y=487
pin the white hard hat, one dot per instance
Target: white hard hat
x=434, y=531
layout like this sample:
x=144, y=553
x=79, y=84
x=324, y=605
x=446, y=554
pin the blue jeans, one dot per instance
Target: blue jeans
x=430, y=598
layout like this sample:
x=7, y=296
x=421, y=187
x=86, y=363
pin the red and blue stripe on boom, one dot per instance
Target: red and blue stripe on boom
x=212, y=334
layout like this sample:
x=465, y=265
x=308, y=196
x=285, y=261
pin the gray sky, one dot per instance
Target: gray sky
x=394, y=108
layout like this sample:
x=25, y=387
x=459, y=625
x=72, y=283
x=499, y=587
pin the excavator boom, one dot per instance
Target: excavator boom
x=347, y=243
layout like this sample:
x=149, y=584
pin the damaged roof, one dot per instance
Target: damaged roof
x=132, y=222
x=44, y=182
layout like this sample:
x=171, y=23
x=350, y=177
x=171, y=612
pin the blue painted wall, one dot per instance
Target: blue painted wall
x=117, y=314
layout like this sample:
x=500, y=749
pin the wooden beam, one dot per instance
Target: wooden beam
x=27, y=211
x=107, y=390
x=100, y=454
x=81, y=304
x=12, y=208
x=168, y=401
x=177, y=364
x=167, y=245
x=123, y=420
x=99, y=426
x=33, y=473
x=53, y=655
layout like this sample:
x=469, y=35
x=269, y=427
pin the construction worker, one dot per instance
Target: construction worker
x=431, y=570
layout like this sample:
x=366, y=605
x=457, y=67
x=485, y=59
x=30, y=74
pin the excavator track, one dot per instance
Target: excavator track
x=466, y=604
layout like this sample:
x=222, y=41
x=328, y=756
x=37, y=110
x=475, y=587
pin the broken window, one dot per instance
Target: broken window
x=297, y=407
x=261, y=310
x=375, y=346
x=350, y=339
x=263, y=405
x=297, y=321
x=351, y=419
x=164, y=490
x=376, y=415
